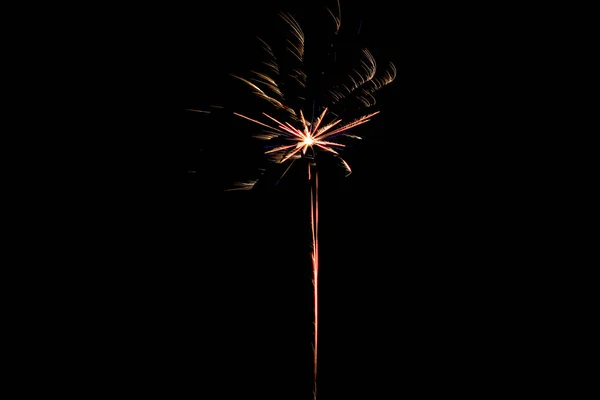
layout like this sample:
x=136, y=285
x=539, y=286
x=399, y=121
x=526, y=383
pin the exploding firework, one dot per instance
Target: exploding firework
x=336, y=108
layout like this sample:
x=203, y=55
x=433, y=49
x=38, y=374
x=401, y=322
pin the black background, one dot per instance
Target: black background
x=195, y=292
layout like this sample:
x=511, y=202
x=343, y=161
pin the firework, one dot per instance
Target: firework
x=293, y=136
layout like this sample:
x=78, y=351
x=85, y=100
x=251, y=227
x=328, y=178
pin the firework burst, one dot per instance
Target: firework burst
x=339, y=107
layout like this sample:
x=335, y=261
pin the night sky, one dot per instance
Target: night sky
x=216, y=301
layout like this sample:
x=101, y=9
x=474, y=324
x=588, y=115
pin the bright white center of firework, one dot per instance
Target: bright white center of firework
x=308, y=141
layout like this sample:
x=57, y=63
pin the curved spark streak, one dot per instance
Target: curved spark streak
x=337, y=19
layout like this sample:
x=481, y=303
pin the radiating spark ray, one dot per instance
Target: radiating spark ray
x=285, y=172
x=293, y=131
x=353, y=124
x=290, y=155
x=281, y=148
x=327, y=127
x=304, y=123
x=258, y=122
x=319, y=121
x=329, y=149
x=329, y=143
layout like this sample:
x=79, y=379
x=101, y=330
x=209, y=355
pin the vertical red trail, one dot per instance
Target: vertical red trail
x=314, y=222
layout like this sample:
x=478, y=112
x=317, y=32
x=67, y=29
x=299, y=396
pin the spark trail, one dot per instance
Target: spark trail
x=314, y=224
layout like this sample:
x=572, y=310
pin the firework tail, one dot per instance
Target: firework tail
x=313, y=181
